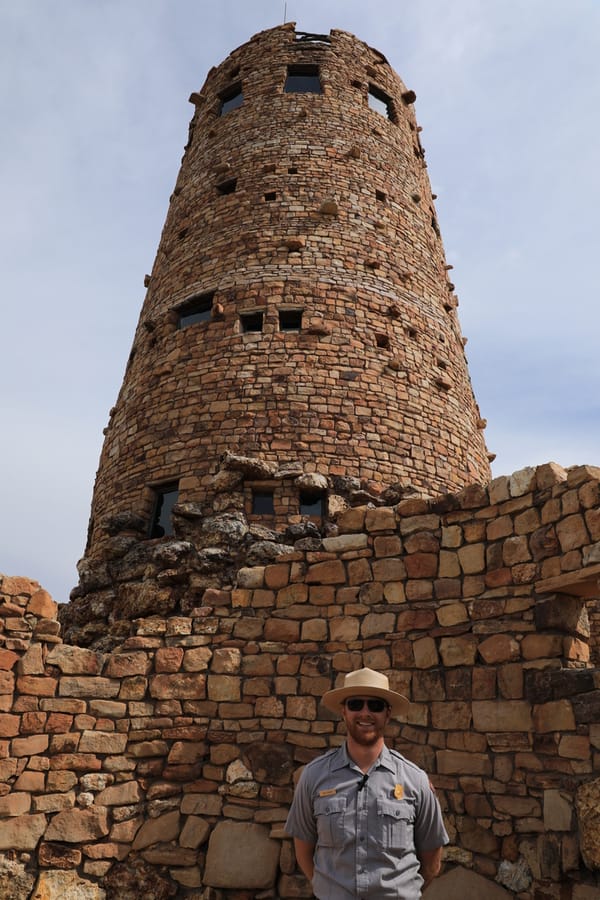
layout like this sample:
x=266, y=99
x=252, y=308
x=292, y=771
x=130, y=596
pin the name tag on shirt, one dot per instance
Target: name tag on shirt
x=328, y=793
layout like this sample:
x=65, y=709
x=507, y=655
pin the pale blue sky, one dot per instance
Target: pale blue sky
x=94, y=118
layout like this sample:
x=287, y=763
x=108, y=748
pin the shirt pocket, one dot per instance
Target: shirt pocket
x=329, y=813
x=395, y=824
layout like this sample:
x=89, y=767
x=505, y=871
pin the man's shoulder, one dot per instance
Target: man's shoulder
x=404, y=764
x=322, y=761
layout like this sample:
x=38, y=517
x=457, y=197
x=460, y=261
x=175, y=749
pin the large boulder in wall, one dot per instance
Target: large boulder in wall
x=462, y=884
x=241, y=855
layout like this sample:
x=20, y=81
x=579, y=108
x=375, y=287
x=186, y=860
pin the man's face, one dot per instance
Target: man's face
x=364, y=725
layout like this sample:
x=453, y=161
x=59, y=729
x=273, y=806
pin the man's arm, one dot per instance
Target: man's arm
x=431, y=863
x=304, y=856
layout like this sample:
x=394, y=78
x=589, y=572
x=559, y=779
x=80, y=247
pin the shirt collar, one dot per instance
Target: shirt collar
x=342, y=759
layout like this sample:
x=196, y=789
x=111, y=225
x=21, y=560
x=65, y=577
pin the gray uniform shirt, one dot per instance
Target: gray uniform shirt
x=368, y=831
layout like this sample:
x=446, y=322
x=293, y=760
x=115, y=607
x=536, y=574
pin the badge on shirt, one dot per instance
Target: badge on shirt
x=398, y=792
x=328, y=793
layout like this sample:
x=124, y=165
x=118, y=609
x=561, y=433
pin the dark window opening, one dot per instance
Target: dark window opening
x=382, y=340
x=379, y=195
x=307, y=37
x=290, y=319
x=312, y=504
x=302, y=80
x=181, y=234
x=293, y=170
x=166, y=498
x=197, y=309
x=270, y=195
x=227, y=187
x=251, y=321
x=262, y=502
x=380, y=102
x=231, y=99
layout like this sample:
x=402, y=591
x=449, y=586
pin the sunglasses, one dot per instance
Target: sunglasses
x=374, y=704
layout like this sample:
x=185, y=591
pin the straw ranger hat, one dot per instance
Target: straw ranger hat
x=365, y=683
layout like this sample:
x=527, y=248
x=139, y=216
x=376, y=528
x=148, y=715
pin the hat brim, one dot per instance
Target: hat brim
x=333, y=700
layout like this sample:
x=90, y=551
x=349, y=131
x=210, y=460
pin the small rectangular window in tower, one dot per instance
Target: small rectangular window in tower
x=251, y=321
x=227, y=187
x=381, y=196
x=380, y=102
x=270, y=196
x=231, y=99
x=262, y=502
x=166, y=496
x=290, y=319
x=302, y=80
x=196, y=309
x=312, y=504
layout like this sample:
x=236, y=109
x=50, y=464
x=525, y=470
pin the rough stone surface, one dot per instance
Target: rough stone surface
x=256, y=857
x=588, y=815
x=57, y=885
x=15, y=882
x=463, y=884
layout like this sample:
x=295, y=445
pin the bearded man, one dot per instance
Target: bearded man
x=365, y=821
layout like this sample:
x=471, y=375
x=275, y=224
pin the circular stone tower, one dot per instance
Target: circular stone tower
x=299, y=335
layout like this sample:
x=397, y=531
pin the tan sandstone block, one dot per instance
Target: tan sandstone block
x=15, y=804
x=452, y=614
x=134, y=663
x=224, y=688
x=122, y=794
x=73, y=826
x=541, y=646
x=256, y=854
x=472, y=558
x=554, y=716
x=574, y=746
x=75, y=660
x=22, y=832
x=184, y=686
x=501, y=715
x=329, y=572
x=455, y=762
x=162, y=829
x=344, y=629
x=425, y=653
x=168, y=659
x=572, y=533
x=197, y=659
x=458, y=651
x=108, y=742
x=29, y=746
x=499, y=648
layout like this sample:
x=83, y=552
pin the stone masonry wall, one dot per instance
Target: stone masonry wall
x=165, y=767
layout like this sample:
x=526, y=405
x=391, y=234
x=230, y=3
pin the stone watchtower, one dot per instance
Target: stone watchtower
x=298, y=347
